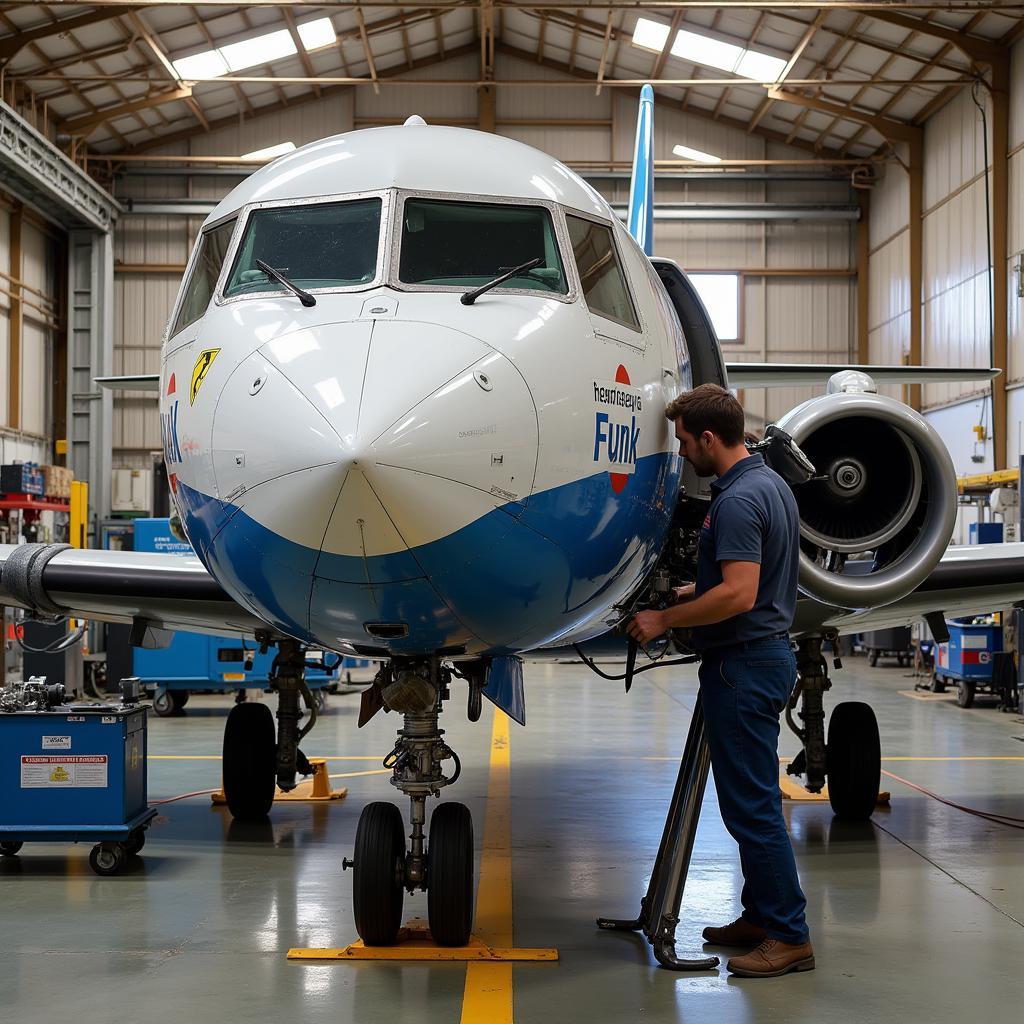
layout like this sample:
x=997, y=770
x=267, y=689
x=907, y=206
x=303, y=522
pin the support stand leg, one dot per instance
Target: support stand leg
x=659, y=908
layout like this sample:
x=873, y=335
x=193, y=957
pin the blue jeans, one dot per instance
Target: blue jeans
x=744, y=689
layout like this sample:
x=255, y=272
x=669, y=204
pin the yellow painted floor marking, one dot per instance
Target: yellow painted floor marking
x=216, y=757
x=488, y=994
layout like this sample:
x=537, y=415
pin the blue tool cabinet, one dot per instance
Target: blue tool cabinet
x=75, y=773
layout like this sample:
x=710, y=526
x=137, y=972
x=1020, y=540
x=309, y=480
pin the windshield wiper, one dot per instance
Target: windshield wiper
x=304, y=297
x=470, y=297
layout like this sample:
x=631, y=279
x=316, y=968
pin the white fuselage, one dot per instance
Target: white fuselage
x=392, y=470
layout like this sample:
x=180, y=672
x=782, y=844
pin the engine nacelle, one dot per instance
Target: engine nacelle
x=885, y=487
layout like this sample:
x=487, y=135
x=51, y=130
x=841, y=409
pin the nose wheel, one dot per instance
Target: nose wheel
x=379, y=874
x=439, y=862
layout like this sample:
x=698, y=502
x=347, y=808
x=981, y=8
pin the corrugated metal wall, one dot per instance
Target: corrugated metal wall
x=784, y=318
x=31, y=437
x=956, y=288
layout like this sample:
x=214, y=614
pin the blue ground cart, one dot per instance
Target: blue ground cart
x=967, y=659
x=75, y=773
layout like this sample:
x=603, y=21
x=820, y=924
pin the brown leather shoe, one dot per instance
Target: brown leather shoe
x=740, y=933
x=773, y=958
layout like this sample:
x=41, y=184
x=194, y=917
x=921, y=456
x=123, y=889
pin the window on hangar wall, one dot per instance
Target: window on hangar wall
x=720, y=294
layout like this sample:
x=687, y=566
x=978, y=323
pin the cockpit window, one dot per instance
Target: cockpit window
x=604, y=285
x=463, y=245
x=322, y=245
x=213, y=247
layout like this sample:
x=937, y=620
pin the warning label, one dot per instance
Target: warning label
x=67, y=771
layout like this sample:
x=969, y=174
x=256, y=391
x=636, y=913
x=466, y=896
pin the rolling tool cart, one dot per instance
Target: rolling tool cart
x=73, y=772
x=967, y=659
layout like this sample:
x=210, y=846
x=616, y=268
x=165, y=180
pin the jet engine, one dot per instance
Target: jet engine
x=878, y=513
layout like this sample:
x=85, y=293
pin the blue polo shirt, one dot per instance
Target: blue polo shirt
x=753, y=518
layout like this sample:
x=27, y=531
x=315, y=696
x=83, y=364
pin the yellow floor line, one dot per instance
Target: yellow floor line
x=488, y=994
x=216, y=757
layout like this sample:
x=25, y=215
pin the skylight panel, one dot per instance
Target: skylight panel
x=705, y=50
x=317, y=34
x=208, y=64
x=761, y=67
x=651, y=35
x=259, y=50
x=270, y=152
x=689, y=153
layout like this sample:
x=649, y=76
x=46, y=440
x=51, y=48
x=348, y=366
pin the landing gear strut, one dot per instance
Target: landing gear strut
x=659, y=908
x=442, y=863
x=851, y=759
x=254, y=761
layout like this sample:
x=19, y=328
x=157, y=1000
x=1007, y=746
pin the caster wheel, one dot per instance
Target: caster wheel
x=965, y=693
x=938, y=683
x=250, y=761
x=378, y=888
x=179, y=698
x=163, y=703
x=450, y=875
x=10, y=849
x=107, y=858
x=135, y=842
x=873, y=658
x=320, y=698
x=853, y=761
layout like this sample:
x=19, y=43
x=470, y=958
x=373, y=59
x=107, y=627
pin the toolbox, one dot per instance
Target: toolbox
x=75, y=773
x=21, y=478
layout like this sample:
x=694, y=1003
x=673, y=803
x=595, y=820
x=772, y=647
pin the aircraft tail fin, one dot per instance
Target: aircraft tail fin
x=641, y=185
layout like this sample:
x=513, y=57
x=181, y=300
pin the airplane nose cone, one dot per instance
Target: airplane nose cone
x=349, y=446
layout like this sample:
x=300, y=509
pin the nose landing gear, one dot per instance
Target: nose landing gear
x=440, y=863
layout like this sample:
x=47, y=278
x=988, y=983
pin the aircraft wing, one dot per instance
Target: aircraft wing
x=137, y=382
x=969, y=579
x=778, y=375
x=162, y=591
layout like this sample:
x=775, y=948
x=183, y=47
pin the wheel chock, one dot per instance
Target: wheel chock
x=315, y=790
x=794, y=791
x=416, y=943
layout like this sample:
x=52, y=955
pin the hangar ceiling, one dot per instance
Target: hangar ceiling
x=842, y=79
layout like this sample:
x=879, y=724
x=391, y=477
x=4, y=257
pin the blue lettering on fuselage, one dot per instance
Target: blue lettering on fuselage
x=618, y=439
x=169, y=434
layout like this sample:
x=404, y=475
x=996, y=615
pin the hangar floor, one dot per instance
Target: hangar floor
x=916, y=916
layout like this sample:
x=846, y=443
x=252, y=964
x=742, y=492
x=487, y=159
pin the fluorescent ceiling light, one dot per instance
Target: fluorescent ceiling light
x=208, y=64
x=687, y=153
x=705, y=50
x=651, y=35
x=317, y=34
x=259, y=50
x=270, y=152
x=713, y=53
x=760, y=66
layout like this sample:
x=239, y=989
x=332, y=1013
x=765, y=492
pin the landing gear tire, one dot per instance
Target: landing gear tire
x=379, y=873
x=163, y=703
x=938, y=683
x=853, y=760
x=250, y=754
x=179, y=698
x=965, y=693
x=450, y=875
x=107, y=858
x=10, y=849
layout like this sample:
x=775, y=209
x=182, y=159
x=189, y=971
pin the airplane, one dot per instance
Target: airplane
x=412, y=398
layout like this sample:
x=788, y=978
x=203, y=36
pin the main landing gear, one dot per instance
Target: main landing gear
x=440, y=862
x=851, y=759
x=256, y=761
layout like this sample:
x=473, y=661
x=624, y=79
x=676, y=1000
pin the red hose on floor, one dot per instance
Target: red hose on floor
x=999, y=819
